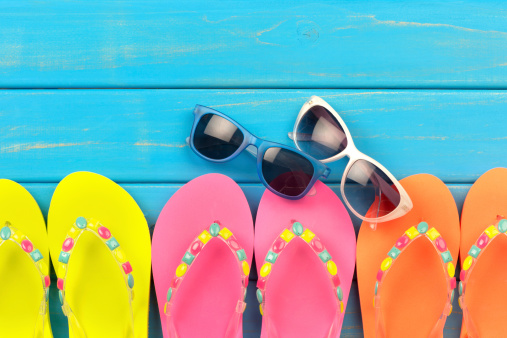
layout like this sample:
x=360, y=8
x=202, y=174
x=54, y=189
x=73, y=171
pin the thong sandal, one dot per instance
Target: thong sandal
x=24, y=265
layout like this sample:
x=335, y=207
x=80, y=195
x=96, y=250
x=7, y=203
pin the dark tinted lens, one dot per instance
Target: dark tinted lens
x=369, y=191
x=319, y=134
x=216, y=138
x=286, y=171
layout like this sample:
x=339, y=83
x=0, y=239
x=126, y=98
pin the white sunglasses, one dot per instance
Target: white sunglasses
x=373, y=193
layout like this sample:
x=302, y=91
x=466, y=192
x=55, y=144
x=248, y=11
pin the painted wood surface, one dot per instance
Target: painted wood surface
x=139, y=135
x=247, y=44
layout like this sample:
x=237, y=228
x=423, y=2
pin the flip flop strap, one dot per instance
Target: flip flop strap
x=214, y=232
x=10, y=233
x=289, y=234
x=402, y=244
x=468, y=264
x=80, y=226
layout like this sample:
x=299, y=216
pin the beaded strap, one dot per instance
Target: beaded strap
x=10, y=233
x=448, y=268
x=77, y=229
x=292, y=232
x=468, y=264
x=215, y=231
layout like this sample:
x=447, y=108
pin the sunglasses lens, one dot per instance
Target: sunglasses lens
x=217, y=138
x=320, y=134
x=286, y=171
x=369, y=191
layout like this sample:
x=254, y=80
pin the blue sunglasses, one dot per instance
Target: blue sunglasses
x=285, y=171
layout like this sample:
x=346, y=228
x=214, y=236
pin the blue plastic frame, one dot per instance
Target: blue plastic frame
x=319, y=169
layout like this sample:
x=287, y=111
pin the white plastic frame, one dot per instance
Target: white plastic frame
x=354, y=155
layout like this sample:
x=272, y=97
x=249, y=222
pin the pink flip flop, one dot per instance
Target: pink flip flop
x=305, y=252
x=201, y=256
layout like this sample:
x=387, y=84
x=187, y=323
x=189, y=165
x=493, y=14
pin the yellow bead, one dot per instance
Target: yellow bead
x=18, y=236
x=331, y=267
x=341, y=306
x=467, y=263
x=165, y=308
x=43, y=267
x=181, y=269
x=246, y=268
x=93, y=224
x=260, y=310
x=373, y=301
x=205, y=236
x=307, y=235
x=491, y=231
x=73, y=232
x=287, y=235
x=120, y=255
x=450, y=269
x=225, y=233
x=62, y=269
x=412, y=232
x=433, y=234
x=386, y=263
x=265, y=269
x=450, y=311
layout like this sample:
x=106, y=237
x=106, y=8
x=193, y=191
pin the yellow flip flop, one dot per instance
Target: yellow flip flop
x=100, y=248
x=24, y=265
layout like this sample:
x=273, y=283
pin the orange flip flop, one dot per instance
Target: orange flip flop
x=406, y=266
x=483, y=295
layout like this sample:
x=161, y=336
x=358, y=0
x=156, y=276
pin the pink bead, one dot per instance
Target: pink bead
x=127, y=267
x=104, y=232
x=462, y=275
x=453, y=282
x=316, y=244
x=47, y=281
x=234, y=244
x=68, y=244
x=245, y=281
x=402, y=241
x=379, y=275
x=27, y=245
x=196, y=247
x=440, y=244
x=278, y=245
x=59, y=284
x=482, y=241
x=261, y=283
x=175, y=282
x=336, y=280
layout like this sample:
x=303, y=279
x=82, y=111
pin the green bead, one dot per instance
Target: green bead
x=64, y=257
x=422, y=227
x=452, y=296
x=130, y=280
x=5, y=233
x=460, y=288
x=81, y=222
x=394, y=252
x=502, y=225
x=36, y=255
x=259, y=295
x=339, y=293
x=297, y=228
x=324, y=256
x=214, y=229
x=241, y=254
x=446, y=256
x=376, y=288
x=60, y=296
x=112, y=244
x=188, y=258
x=474, y=251
x=169, y=294
x=271, y=257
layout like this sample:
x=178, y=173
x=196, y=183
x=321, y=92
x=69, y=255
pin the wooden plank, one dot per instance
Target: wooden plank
x=259, y=44
x=139, y=135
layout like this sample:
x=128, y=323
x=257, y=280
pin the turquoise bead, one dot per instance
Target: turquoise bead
x=394, y=252
x=460, y=288
x=376, y=288
x=169, y=294
x=112, y=244
x=188, y=258
x=241, y=254
x=422, y=227
x=81, y=222
x=474, y=251
x=36, y=255
x=452, y=296
x=60, y=296
x=502, y=225
x=339, y=293
x=64, y=257
x=324, y=256
x=446, y=256
x=214, y=229
x=130, y=280
x=259, y=295
x=271, y=257
x=297, y=228
x=5, y=233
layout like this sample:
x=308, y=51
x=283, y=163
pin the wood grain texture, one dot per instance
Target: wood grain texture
x=259, y=44
x=139, y=135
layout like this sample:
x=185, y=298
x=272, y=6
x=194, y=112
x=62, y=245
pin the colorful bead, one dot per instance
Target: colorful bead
x=265, y=269
x=112, y=243
x=376, y=288
x=394, y=252
x=452, y=296
x=402, y=241
x=324, y=256
x=380, y=273
x=462, y=275
x=47, y=281
x=386, y=263
x=307, y=235
x=188, y=258
x=26, y=245
x=459, y=302
x=225, y=233
x=130, y=280
x=258, y=293
x=241, y=254
x=181, y=269
x=104, y=232
x=452, y=282
x=176, y=282
x=412, y=232
x=64, y=257
x=441, y=244
x=331, y=268
x=43, y=267
x=214, y=229
x=127, y=268
x=467, y=263
x=460, y=288
x=450, y=269
x=474, y=251
x=60, y=296
x=196, y=247
x=341, y=307
x=169, y=294
x=271, y=257
x=73, y=232
x=246, y=268
x=433, y=234
x=234, y=244
x=502, y=225
x=18, y=237
x=261, y=283
x=59, y=284
x=81, y=222
x=260, y=310
x=205, y=236
x=68, y=244
x=287, y=235
x=278, y=245
x=422, y=227
x=5, y=233
x=93, y=225
x=336, y=280
x=36, y=255
x=297, y=228
x=450, y=311
x=316, y=244
x=339, y=293
x=491, y=231
x=120, y=255
x=446, y=256
x=482, y=241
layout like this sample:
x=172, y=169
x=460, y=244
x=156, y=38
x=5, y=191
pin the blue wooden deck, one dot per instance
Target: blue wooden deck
x=109, y=87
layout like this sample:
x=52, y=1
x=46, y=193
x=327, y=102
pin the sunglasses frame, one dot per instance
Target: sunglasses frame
x=319, y=169
x=354, y=155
